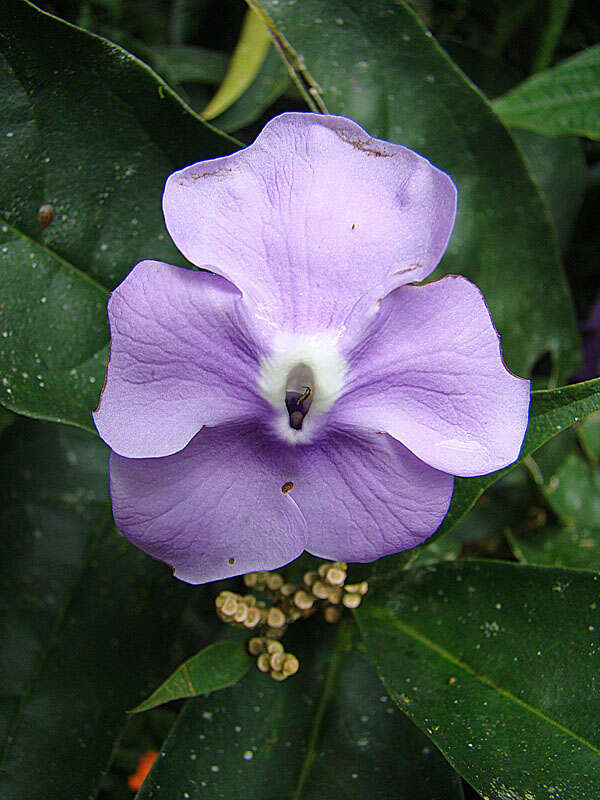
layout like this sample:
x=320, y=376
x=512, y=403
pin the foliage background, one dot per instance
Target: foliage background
x=486, y=639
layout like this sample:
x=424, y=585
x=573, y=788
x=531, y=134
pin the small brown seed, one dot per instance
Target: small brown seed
x=332, y=614
x=310, y=577
x=351, y=600
x=287, y=589
x=290, y=664
x=250, y=579
x=320, y=590
x=262, y=662
x=256, y=646
x=229, y=607
x=335, y=594
x=335, y=576
x=241, y=612
x=274, y=646
x=303, y=600
x=274, y=581
x=276, y=661
x=253, y=618
x=278, y=676
x=275, y=618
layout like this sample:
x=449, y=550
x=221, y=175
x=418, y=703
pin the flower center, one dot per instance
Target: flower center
x=301, y=380
x=299, y=394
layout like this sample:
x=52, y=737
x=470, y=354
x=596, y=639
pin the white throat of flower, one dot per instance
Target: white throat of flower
x=301, y=380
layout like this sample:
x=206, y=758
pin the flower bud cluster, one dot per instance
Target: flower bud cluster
x=329, y=584
x=325, y=588
x=272, y=658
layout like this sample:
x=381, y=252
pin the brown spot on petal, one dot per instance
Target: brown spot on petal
x=353, y=226
x=232, y=561
x=367, y=146
x=287, y=487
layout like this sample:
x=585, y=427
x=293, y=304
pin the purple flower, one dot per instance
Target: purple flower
x=303, y=394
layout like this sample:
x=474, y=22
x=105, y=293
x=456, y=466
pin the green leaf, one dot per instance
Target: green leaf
x=91, y=131
x=556, y=15
x=184, y=63
x=589, y=436
x=246, y=61
x=328, y=731
x=87, y=621
x=557, y=546
x=374, y=62
x=574, y=492
x=558, y=101
x=497, y=663
x=551, y=411
x=557, y=164
x=216, y=667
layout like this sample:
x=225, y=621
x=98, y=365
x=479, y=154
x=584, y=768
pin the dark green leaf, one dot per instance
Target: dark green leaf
x=216, y=667
x=558, y=165
x=86, y=620
x=559, y=101
x=497, y=663
x=328, y=731
x=574, y=492
x=553, y=545
x=589, y=436
x=187, y=63
x=374, y=62
x=92, y=132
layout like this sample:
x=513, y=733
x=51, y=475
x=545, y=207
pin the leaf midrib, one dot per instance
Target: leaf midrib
x=54, y=255
x=452, y=659
x=341, y=644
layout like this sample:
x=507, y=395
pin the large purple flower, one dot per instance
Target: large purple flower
x=303, y=394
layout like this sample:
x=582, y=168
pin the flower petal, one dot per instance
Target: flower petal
x=364, y=495
x=214, y=510
x=311, y=217
x=182, y=356
x=429, y=372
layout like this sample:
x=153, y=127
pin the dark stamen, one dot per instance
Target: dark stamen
x=298, y=405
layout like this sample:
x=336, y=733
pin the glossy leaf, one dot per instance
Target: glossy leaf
x=571, y=546
x=216, y=667
x=589, y=436
x=91, y=132
x=559, y=101
x=374, y=62
x=86, y=620
x=185, y=63
x=574, y=492
x=497, y=663
x=557, y=164
x=328, y=731
x=246, y=61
